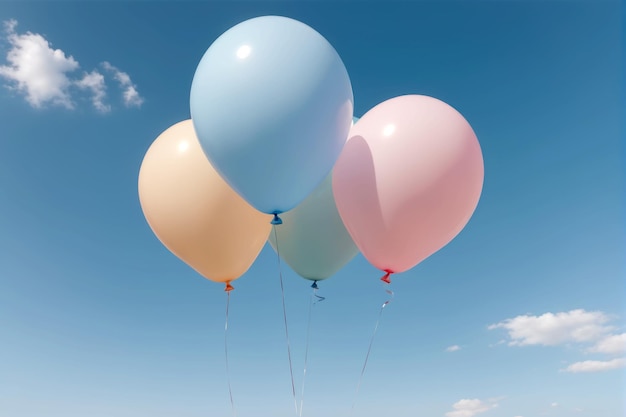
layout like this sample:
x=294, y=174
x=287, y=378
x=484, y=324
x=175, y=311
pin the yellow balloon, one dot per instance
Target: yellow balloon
x=194, y=212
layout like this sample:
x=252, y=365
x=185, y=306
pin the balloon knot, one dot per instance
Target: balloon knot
x=228, y=287
x=314, y=285
x=386, y=278
x=276, y=220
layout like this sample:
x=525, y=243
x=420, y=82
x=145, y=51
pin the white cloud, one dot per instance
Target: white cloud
x=94, y=81
x=37, y=70
x=611, y=345
x=596, y=366
x=554, y=329
x=131, y=95
x=575, y=326
x=10, y=25
x=453, y=348
x=43, y=75
x=554, y=405
x=470, y=408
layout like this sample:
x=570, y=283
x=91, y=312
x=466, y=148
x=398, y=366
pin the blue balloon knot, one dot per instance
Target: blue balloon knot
x=276, y=220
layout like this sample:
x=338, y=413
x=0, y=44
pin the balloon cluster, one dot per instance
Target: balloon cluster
x=272, y=141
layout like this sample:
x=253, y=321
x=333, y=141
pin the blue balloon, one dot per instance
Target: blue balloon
x=271, y=103
x=313, y=240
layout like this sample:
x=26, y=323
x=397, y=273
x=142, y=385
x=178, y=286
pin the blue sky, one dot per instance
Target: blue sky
x=523, y=314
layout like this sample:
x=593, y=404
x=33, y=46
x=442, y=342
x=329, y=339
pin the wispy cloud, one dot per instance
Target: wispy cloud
x=614, y=344
x=44, y=75
x=453, y=348
x=131, y=95
x=596, y=366
x=578, y=327
x=554, y=329
x=94, y=82
x=470, y=407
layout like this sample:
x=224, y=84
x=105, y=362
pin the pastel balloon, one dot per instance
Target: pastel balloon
x=271, y=102
x=312, y=239
x=408, y=180
x=194, y=212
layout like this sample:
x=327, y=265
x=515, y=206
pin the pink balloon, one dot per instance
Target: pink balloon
x=408, y=180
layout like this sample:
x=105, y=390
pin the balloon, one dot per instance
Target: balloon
x=312, y=239
x=296, y=96
x=408, y=180
x=192, y=210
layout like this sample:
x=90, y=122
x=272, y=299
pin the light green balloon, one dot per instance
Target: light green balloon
x=312, y=239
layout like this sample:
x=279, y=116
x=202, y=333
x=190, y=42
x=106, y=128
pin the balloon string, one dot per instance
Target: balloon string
x=314, y=300
x=282, y=291
x=369, y=349
x=230, y=390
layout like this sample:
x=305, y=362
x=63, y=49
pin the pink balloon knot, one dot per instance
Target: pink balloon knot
x=386, y=278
